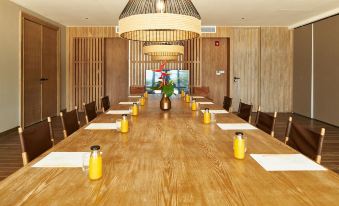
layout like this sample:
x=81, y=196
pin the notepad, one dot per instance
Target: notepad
x=138, y=96
x=63, y=159
x=205, y=102
x=216, y=111
x=236, y=126
x=101, y=126
x=198, y=97
x=286, y=162
x=118, y=112
x=128, y=103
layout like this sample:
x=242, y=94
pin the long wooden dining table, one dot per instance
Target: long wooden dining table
x=170, y=158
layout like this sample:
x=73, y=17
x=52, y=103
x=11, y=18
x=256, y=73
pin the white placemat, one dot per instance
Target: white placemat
x=236, y=126
x=101, y=126
x=118, y=112
x=198, y=97
x=63, y=159
x=286, y=162
x=137, y=96
x=205, y=103
x=216, y=111
x=128, y=103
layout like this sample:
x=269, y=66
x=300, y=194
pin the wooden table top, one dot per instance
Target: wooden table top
x=170, y=158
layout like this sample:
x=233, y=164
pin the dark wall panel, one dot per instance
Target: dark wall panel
x=302, y=74
x=326, y=70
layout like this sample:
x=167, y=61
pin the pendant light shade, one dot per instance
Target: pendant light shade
x=163, y=49
x=159, y=21
x=164, y=58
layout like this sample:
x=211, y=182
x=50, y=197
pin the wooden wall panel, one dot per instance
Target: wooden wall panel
x=216, y=58
x=116, y=69
x=276, y=73
x=88, y=70
x=302, y=73
x=246, y=66
x=326, y=70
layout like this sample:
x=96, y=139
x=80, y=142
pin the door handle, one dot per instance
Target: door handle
x=235, y=79
x=43, y=79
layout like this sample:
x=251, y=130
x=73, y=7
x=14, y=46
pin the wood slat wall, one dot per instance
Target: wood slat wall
x=250, y=59
x=88, y=70
x=139, y=63
x=85, y=53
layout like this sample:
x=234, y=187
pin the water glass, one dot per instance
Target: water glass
x=118, y=124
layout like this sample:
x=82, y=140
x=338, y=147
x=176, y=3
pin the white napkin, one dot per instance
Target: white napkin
x=236, y=126
x=118, y=112
x=216, y=111
x=198, y=97
x=286, y=162
x=128, y=103
x=138, y=96
x=101, y=126
x=63, y=159
x=205, y=102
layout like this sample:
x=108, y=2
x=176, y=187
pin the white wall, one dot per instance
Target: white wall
x=10, y=49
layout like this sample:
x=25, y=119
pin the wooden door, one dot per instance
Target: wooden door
x=116, y=69
x=39, y=70
x=49, y=72
x=31, y=72
x=215, y=67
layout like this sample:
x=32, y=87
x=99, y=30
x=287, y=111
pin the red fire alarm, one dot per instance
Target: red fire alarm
x=217, y=43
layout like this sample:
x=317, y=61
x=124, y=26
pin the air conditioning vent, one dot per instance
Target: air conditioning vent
x=117, y=29
x=208, y=29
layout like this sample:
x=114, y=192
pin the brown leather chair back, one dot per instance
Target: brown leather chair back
x=105, y=104
x=90, y=111
x=245, y=111
x=304, y=140
x=265, y=122
x=227, y=103
x=35, y=140
x=137, y=90
x=201, y=91
x=70, y=122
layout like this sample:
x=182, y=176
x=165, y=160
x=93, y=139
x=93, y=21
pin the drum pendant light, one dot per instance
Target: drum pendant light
x=159, y=21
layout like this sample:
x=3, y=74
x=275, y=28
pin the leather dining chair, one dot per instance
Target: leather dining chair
x=245, y=111
x=227, y=103
x=90, y=111
x=266, y=122
x=70, y=122
x=105, y=104
x=35, y=140
x=304, y=140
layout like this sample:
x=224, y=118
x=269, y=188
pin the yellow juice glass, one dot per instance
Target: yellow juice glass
x=239, y=146
x=142, y=101
x=194, y=106
x=182, y=93
x=188, y=98
x=146, y=94
x=207, y=116
x=124, y=124
x=135, y=109
x=95, y=163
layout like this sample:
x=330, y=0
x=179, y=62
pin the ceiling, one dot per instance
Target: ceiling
x=213, y=12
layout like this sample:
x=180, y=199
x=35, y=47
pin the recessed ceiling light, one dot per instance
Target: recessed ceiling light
x=243, y=18
x=86, y=18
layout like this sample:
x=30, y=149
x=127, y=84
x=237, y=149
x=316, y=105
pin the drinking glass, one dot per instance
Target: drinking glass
x=118, y=124
x=213, y=117
x=85, y=162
